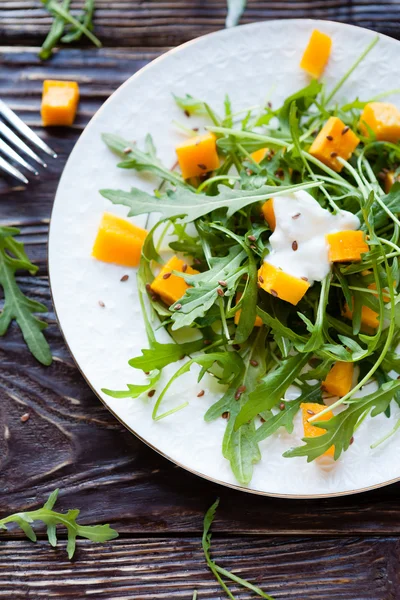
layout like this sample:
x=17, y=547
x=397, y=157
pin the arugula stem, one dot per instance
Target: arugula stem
x=57, y=9
x=351, y=70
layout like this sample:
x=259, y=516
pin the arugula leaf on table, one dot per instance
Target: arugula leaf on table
x=218, y=571
x=235, y=11
x=340, y=429
x=55, y=33
x=272, y=388
x=86, y=18
x=203, y=292
x=185, y=203
x=16, y=305
x=46, y=514
x=139, y=160
x=63, y=17
x=284, y=418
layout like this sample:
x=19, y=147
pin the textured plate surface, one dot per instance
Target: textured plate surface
x=250, y=63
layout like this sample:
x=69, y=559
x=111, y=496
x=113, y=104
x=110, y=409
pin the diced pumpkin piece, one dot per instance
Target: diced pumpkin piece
x=171, y=287
x=282, y=285
x=308, y=409
x=334, y=139
x=198, y=155
x=316, y=54
x=390, y=180
x=339, y=379
x=118, y=241
x=346, y=246
x=369, y=318
x=384, y=120
x=59, y=102
x=269, y=213
x=258, y=155
x=257, y=323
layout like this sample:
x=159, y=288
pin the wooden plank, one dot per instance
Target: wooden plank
x=71, y=441
x=143, y=23
x=350, y=569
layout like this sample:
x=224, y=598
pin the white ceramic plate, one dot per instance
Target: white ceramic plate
x=249, y=63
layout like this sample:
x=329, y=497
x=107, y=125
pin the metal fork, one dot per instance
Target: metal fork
x=8, y=115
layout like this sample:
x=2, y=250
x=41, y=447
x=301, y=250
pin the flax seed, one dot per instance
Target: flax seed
x=178, y=306
x=252, y=238
x=295, y=246
x=151, y=393
x=261, y=279
x=124, y=278
x=220, y=292
x=226, y=415
x=101, y=303
x=334, y=154
x=184, y=268
x=127, y=150
x=166, y=275
x=282, y=406
x=310, y=412
x=329, y=137
x=200, y=394
x=296, y=216
x=274, y=293
x=222, y=283
x=345, y=130
x=254, y=363
x=202, y=166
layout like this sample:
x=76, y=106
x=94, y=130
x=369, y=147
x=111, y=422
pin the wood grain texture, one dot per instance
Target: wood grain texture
x=146, y=22
x=70, y=440
x=150, y=568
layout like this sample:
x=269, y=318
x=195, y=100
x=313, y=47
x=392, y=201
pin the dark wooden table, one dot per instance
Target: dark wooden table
x=344, y=548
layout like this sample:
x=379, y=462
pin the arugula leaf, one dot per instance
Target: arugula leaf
x=239, y=446
x=185, y=203
x=235, y=11
x=189, y=104
x=284, y=418
x=54, y=35
x=59, y=10
x=161, y=355
x=87, y=21
x=340, y=429
x=139, y=160
x=16, y=305
x=216, y=570
x=199, y=298
x=134, y=391
x=304, y=98
x=317, y=337
x=272, y=388
x=95, y=533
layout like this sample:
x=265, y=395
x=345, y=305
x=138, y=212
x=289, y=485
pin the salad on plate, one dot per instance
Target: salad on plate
x=273, y=265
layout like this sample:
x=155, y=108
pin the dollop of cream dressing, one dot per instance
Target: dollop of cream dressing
x=298, y=245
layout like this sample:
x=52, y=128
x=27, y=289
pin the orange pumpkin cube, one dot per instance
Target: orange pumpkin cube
x=198, y=155
x=281, y=285
x=171, y=287
x=384, y=120
x=390, y=180
x=258, y=155
x=339, y=380
x=257, y=323
x=346, y=246
x=334, y=139
x=269, y=214
x=369, y=317
x=118, y=241
x=316, y=54
x=308, y=409
x=59, y=102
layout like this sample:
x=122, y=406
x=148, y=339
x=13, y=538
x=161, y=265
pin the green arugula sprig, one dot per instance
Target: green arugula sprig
x=67, y=28
x=17, y=306
x=52, y=519
x=220, y=572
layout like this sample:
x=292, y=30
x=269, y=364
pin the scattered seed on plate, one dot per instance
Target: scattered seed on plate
x=296, y=216
x=124, y=278
x=101, y=303
x=295, y=245
x=187, y=113
x=201, y=393
x=151, y=393
x=127, y=150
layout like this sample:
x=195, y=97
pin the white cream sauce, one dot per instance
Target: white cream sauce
x=303, y=224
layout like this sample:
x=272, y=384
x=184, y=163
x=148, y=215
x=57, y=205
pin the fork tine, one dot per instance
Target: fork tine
x=8, y=151
x=12, y=118
x=5, y=166
x=14, y=139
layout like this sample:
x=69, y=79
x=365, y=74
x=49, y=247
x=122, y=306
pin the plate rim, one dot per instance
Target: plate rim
x=214, y=480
